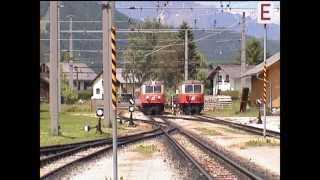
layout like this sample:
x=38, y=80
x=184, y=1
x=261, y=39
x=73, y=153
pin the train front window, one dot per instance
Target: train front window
x=188, y=88
x=149, y=89
x=157, y=89
x=197, y=88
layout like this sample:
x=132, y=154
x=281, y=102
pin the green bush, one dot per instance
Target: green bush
x=77, y=108
x=85, y=95
x=69, y=95
x=234, y=94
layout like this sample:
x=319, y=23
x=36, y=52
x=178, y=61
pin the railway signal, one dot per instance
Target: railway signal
x=265, y=10
x=99, y=113
x=131, y=110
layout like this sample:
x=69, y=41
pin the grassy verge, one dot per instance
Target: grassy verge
x=234, y=111
x=207, y=131
x=259, y=142
x=72, y=128
x=146, y=149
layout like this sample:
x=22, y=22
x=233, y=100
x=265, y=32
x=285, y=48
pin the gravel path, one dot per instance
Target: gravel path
x=266, y=157
x=273, y=122
x=61, y=162
x=132, y=165
x=208, y=162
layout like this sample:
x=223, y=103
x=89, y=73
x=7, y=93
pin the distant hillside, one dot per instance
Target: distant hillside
x=205, y=17
x=84, y=11
x=221, y=48
x=225, y=47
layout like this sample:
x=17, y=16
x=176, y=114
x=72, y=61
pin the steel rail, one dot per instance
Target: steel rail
x=250, y=129
x=247, y=128
x=55, y=148
x=188, y=155
x=211, y=149
x=87, y=157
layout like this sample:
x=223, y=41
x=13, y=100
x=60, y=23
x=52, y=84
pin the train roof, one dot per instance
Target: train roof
x=153, y=82
x=191, y=82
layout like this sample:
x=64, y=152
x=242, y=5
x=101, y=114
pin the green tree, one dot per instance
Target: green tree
x=139, y=59
x=254, y=52
x=193, y=56
x=70, y=96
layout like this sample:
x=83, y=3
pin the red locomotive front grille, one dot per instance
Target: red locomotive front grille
x=152, y=99
x=191, y=98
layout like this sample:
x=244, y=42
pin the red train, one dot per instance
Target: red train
x=191, y=97
x=151, y=97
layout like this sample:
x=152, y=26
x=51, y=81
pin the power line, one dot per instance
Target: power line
x=187, y=8
x=219, y=29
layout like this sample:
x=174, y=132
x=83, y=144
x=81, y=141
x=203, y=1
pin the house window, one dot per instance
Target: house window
x=97, y=91
x=219, y=78
x=102, y=82
x=227, y=78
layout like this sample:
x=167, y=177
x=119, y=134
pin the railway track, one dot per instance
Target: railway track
x=86, y=145
x=247, y=128
x=203, y=118
x=53, y=149
x=84, y=153
x=210, y=163
x=220, y=167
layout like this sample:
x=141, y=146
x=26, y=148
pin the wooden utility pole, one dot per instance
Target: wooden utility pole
x=243, y=53
x=54, y=93
x=70, y=54
x=59, y=60
x=186, y=55
x=106, y=26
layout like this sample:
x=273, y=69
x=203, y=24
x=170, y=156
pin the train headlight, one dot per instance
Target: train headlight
x=153, y=98
x=147, y=97
x=193, y=98
x=158, y=97
x=87, y=128
x=99, y=112
x=174, y=105
x=131, y=108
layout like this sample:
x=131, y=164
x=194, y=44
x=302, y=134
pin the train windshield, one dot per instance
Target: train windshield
x=197, y=88
x=188, y=88
x=153, y=89
x=149, y=89
x=157, y=89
